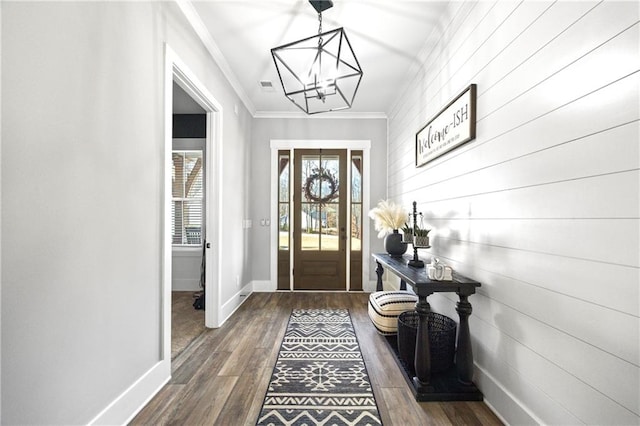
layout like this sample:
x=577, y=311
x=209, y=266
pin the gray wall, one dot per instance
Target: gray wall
x=266, y=129
x=82, y=152
x=542, y=207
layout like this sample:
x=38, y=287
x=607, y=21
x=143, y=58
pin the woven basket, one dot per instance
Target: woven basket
x=442, y=340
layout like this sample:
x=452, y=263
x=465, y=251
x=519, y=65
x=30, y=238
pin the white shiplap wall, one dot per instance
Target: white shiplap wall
x=543, y=206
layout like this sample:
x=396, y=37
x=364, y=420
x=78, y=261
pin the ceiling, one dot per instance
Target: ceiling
x=183, y=103
x=386, y=36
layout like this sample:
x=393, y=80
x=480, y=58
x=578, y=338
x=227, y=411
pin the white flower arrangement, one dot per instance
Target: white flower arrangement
x=388, y=216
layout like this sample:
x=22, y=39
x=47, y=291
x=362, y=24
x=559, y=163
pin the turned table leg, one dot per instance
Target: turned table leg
x=464, y=354
x=379, y=272
x=422, y=362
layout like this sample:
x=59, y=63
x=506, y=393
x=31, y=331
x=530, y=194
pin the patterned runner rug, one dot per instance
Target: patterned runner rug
x=320, y=377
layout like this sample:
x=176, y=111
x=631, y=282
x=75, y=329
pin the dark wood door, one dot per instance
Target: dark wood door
x=320, y=219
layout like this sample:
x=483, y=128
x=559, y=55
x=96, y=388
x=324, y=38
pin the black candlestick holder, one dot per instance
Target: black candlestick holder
x=415, y=262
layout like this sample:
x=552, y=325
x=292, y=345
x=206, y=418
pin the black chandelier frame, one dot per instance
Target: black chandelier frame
x=311, y=96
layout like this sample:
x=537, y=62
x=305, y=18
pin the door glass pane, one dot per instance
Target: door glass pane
x=356, y=227
x=310, y=227
x=283, y=237
x=356, y=179
x=329, y=173
x=330, y=222
x=284, y=179
x=283, y=204
x=310, y=178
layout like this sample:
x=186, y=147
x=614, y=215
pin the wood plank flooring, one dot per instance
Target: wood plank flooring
x=187, y=323
x=222, y=376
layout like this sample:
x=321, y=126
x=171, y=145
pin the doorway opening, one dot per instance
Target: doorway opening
x=191, y=198
x=320, y=190
x=188, y=187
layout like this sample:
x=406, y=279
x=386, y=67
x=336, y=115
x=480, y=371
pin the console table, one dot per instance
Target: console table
x=456, y=385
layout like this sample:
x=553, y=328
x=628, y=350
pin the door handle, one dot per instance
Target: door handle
x=208, y=245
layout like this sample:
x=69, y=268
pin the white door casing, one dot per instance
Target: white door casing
x=176, y=70
x=291, y=145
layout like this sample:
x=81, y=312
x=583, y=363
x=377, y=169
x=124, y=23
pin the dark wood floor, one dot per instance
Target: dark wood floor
x=222, y=376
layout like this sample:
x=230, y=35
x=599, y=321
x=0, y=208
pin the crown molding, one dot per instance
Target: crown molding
x=203, y=33
x=323, y=116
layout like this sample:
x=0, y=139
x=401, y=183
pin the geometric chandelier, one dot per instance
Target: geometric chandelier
x=319, y=73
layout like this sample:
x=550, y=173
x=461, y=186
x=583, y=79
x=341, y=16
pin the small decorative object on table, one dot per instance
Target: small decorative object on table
x=394, y=245
x=438, y=271
x=421, y=237
x=416, y=262
x=407, y=233
x=420, y=233
x=388, y=218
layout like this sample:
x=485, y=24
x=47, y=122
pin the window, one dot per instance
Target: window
x=187, y=198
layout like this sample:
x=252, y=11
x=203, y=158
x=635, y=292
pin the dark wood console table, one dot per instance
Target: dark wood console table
x=455, y=385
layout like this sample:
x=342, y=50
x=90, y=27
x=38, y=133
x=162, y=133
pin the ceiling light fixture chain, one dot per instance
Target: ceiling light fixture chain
x=320, y=94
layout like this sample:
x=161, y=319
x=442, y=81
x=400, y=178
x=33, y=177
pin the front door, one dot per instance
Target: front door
x=320, y=219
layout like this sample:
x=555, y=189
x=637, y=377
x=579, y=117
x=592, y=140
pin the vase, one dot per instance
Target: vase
x=393, y=244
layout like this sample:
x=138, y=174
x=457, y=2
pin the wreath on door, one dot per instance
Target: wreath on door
x=315, y=188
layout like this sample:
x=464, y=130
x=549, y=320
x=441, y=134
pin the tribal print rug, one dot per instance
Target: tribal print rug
x=319, y=377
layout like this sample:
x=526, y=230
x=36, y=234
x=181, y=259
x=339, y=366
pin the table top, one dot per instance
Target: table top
x=418, y=279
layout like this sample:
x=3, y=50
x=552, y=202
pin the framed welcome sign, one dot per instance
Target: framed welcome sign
x=453, y=126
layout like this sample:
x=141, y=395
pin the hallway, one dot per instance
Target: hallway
x=221, y=378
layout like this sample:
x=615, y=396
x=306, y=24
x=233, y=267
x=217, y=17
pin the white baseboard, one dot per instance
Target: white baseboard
x=370, y=287
x=185, y=285
x=234, y=303
x=502, y=402
x=122, y=410
x=264, y=286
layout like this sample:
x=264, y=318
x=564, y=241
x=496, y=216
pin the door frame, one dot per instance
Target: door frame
x=176, y=70
x=291, y=145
